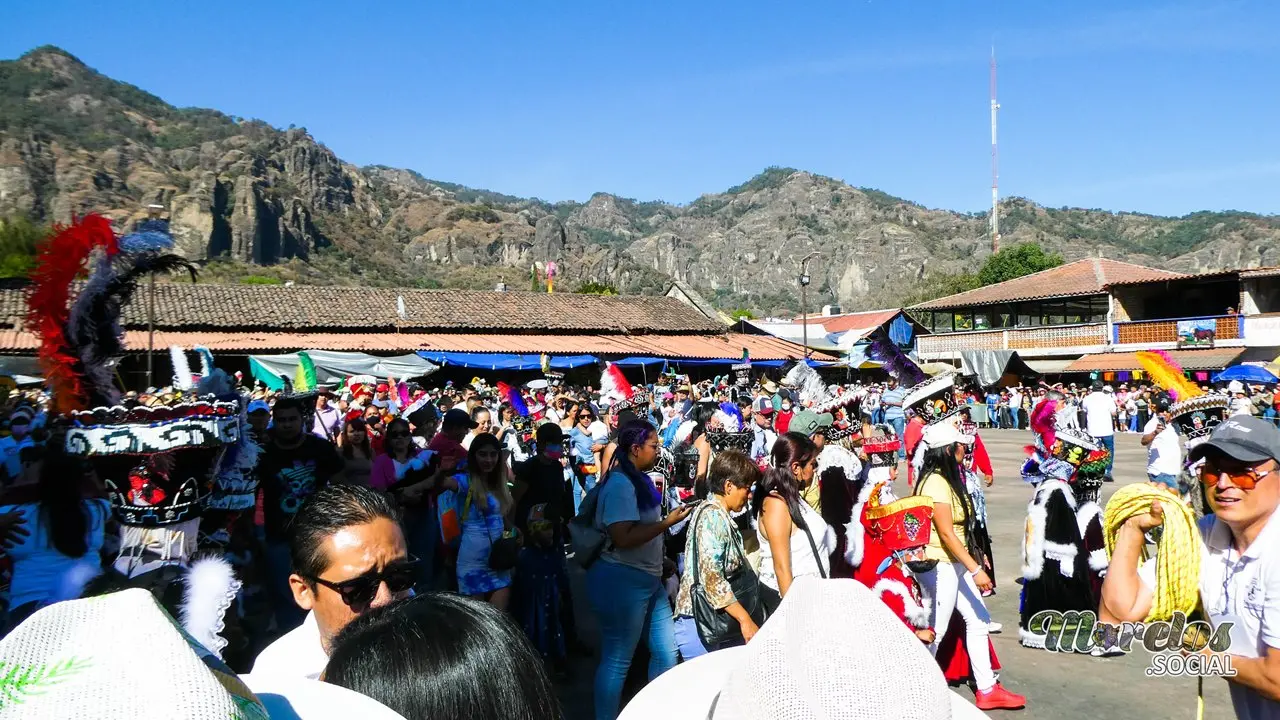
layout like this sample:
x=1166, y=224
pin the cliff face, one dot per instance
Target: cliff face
x=244, y=197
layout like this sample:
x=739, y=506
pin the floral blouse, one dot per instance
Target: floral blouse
x=720, y=554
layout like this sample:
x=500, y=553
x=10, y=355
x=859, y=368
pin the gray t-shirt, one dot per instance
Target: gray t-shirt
x=617, y=503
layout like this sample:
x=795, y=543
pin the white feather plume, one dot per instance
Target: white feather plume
x=807, y=381
x=182, y=379
x=211, y=587
x=684, y=431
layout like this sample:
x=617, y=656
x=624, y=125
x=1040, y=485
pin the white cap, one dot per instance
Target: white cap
x=943, y=434
x=1235, y=386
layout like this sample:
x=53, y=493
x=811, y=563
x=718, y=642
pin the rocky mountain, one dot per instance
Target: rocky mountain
x=255, y=203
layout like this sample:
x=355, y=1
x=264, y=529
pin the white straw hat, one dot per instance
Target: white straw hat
x=833, y=650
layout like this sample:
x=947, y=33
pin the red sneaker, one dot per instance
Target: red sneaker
x=997, y=698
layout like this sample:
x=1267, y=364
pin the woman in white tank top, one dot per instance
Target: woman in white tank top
x=787, y=551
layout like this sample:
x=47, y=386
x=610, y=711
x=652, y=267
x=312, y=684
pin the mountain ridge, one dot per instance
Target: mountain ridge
x=248, y=200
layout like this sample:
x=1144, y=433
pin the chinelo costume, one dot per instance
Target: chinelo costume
x=1196, y=419
x=1064, y=556
x=160, y=463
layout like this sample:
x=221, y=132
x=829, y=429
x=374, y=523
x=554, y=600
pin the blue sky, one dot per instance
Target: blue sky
x=1162, y=107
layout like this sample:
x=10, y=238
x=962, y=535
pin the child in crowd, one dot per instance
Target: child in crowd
x=541, y=579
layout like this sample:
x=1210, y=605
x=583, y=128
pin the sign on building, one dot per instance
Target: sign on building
x=1197, y=333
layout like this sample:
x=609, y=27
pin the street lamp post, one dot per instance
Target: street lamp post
x=153, y=213
x=804, y=299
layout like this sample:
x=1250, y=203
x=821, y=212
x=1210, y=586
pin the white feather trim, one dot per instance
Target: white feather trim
x=1033, y=538
x=1087, y=513
x=182, y=379
x=915, y=613
x=1064, y=554
x=854, y=538
x=834, y=456
x=1098, y=559
x=211, y=587
x=684, y=431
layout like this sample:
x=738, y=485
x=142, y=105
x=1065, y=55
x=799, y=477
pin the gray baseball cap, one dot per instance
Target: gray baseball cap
x=1244, y=438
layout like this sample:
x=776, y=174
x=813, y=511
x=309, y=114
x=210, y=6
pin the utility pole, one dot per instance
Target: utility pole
x=995, y=162
x=804, y=299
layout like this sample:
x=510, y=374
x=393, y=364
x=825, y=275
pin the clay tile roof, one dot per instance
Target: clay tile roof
x=1082, y=277
x=862, y=321
x=184, y=306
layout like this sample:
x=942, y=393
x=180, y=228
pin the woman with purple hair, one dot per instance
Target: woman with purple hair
x=625, y=583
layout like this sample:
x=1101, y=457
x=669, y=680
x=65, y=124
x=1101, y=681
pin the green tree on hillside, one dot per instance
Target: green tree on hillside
x=596, y=288
x=1016, y=261
x=18, y=239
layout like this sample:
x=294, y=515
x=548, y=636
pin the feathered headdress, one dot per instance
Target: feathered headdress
x=896, y=363
x=80, y=342
x=305, y=377
x=807, y=381
x=182, y=379
x=512, y=397
x=206, y=361
x=1166, y=373
x=614, y=385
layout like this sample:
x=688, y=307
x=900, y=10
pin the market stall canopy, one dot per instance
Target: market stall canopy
x=335, y=367
x=989, y=366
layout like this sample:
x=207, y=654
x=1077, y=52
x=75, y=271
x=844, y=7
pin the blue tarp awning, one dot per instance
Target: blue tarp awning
x=505, y=361
x=638, y=361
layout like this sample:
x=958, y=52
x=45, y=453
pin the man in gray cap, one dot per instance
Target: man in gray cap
x=1240, y=558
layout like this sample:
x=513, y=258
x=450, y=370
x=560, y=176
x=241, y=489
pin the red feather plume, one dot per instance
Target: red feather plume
x=60, y=259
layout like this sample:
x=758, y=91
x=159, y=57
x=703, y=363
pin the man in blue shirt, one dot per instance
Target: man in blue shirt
x=891, y=400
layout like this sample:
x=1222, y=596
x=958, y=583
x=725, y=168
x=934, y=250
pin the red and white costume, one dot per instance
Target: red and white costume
x=886, y=531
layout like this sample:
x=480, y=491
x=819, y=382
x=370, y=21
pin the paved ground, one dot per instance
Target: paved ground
x=1057, y=686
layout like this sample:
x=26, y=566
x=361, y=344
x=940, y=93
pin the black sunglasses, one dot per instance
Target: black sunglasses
x=358, y=592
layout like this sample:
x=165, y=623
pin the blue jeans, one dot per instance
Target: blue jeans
x=687, y=639
x=279, y=567
x=580, y=492
x=1109, y=442
x=1169, y=481
x=877, y=416
x=899, y=424
x=629, y=603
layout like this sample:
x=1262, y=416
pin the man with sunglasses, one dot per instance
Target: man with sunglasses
x=1240, y=559
x=349, y=556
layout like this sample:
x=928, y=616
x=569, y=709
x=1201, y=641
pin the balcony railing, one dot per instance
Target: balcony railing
x=1142, y=332
x=1036, y=338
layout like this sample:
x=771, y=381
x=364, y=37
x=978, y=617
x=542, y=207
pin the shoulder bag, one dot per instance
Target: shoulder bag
x=717, y=628
x=586, y=538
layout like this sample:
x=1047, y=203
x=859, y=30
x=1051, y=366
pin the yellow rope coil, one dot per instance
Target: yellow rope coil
x=1178, y=552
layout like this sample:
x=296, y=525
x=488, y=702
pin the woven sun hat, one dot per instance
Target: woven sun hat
x=115, y=656
x=833, y=650
x=297, y=698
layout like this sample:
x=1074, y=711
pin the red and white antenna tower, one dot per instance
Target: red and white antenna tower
x=995, y=162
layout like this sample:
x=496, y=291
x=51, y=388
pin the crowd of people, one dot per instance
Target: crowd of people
x=410, y=546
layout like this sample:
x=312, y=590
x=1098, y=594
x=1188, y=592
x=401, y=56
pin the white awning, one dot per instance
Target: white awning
x=1045, y=367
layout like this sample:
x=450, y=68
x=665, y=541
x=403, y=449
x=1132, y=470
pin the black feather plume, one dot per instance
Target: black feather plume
x=94, y=324
x=896, y=363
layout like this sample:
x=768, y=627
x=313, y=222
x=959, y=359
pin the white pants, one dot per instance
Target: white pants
x=948, y=587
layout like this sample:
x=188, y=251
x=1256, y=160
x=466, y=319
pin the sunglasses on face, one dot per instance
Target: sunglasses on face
x=358, y=592
x=1245, y=478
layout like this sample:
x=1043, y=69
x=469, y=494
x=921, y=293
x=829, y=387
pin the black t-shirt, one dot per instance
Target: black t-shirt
x=543, y=482
x=289, y=476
